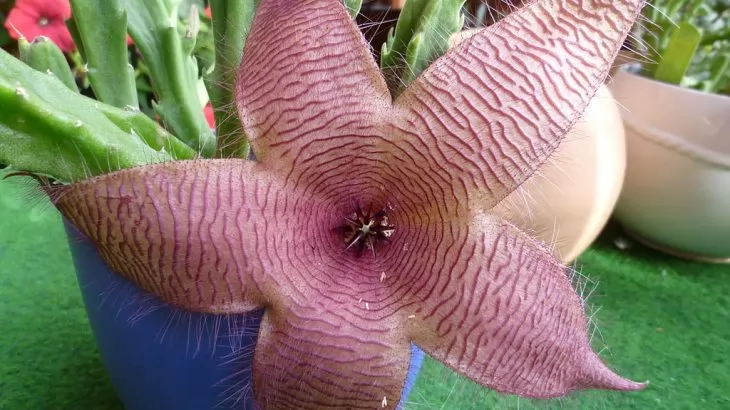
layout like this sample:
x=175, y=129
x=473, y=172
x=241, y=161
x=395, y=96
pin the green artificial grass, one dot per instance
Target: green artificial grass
x=660, y=318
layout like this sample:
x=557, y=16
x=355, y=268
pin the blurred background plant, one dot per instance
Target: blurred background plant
x=681, y=42
x=136, y=82
x=688, y=43
x=30, y=19
x=151, y=80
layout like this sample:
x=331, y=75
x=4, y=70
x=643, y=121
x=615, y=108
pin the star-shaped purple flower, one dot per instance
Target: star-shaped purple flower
x=365, y=224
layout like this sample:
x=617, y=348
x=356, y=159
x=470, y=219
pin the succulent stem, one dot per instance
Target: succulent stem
x=420, y=37
x=231, y=23
x=678, y=54
x=353, y=6
x=47, y=128
x=101, y=28
x=43, y=55
x=153, y=28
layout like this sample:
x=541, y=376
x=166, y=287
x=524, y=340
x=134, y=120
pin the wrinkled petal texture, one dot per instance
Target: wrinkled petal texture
x=502, y=311
x=494, y=108
x=222, y=236
x=228, y=236
x=191, y=232
x=314, y=358
x=308, y=90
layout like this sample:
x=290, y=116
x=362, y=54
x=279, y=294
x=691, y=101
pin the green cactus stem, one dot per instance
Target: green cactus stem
x=421, y=36
x=353, y=6
x=135, y=122
x=190, y=33
x=102, y=30
x=231, y=23
x=153, y=27
x=664, y=18
x=48, y=129
x=43, y=55
x=677, y=57
x=76, y=36
x=718, y=71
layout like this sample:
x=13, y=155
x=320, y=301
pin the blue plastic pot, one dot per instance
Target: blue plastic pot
x=162, y=358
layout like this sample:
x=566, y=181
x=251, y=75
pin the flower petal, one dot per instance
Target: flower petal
x=194, y=233
x=60, y=35
x=492, y=109
x=21, y=22
x=316, y=358
x=499, y=308
x=307, y=84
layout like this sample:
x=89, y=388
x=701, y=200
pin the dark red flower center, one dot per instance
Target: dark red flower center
x=363, y=230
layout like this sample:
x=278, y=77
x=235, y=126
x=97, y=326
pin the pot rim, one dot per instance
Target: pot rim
x=672, y=141
x=676, y=144
x=720, y=97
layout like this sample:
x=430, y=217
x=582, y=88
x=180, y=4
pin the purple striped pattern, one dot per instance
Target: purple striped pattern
x=228, y=236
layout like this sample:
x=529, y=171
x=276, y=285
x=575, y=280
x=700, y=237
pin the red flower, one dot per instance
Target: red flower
x=34, y=18
x=208, y=12
x=209, y=115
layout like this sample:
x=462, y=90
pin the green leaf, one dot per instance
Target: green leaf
x=679, y=54
x=420, y=37
x=102, y=31
x=353, y=6
x=47, y=128
x=718, y=74
x=153, y=26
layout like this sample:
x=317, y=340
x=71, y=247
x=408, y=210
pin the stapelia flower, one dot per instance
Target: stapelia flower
x=365, y=224
x=34, y=18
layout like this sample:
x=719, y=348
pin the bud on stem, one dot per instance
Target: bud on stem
x=43, y=55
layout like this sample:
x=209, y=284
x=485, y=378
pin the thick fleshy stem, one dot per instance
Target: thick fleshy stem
x=663, y=21
x=420, y=37
x=43, y=55
x=231, y=22
x=153, y=27
x=678, y=54
x=353, y=6
x=137, y=123
x=101, y=28
x=718, y=71
x=47, y=128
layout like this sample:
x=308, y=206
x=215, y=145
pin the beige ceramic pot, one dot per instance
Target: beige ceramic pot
x=676, y=194
x=570, y=199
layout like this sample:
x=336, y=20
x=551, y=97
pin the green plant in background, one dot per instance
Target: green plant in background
x=95, y=116
x=688, y=43
x=50, y=128
x=230, y=26
x=420, y=37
